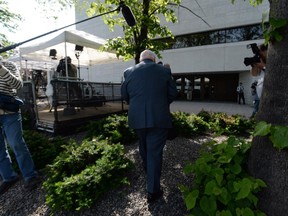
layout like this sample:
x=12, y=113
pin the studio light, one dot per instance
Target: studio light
x=53, y=53
x=78, y=51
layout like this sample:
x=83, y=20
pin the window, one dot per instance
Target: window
x=243, y=33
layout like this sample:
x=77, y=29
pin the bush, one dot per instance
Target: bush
x=188, y=125
x=221, y=123
x=42, y=149
x=82, y=173
x=205, y=115
x=114, y=127
x=222, y=185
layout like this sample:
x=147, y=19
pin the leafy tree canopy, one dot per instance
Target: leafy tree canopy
x=8, y=21
x=139, y=37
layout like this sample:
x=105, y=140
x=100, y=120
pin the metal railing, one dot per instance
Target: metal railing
x=69, y=93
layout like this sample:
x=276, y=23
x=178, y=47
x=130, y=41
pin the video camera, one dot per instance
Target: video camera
x=255, y=58
x=254, y=84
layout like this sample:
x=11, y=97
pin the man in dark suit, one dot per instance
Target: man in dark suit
x=149, y=89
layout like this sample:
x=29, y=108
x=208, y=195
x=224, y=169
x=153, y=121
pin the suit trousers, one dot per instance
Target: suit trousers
x=151, y=145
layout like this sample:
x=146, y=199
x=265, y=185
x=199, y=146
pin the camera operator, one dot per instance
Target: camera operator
x=258, y=71
x=258, y=68
x=256, y=99
x=11, y=132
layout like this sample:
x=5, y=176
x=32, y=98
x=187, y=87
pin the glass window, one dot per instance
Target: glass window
x=252, y=32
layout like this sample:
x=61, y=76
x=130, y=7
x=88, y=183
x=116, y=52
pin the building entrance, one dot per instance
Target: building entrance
x=207, y=87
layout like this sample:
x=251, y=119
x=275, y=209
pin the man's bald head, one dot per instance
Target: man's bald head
x=148, y=54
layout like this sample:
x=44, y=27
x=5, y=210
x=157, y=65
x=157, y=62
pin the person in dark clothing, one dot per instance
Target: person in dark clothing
x=149, y=89
x=240, y=91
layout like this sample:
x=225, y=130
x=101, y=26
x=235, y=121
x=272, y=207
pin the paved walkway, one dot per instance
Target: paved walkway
x=196, y=106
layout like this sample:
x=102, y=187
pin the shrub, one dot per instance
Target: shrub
x=205, y=115
x=188, y=125
x=42, y=149
x=114, y=127
x=222, y=185
x=221, y=123
x=82, y=173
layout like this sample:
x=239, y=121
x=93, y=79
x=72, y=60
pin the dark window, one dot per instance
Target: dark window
x=243, y=33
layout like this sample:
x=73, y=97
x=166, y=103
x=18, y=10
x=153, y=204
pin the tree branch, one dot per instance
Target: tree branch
x=173, y=4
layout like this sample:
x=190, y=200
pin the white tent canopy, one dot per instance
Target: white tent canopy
x=64, y=44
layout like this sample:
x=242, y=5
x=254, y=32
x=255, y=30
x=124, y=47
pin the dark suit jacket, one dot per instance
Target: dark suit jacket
x=149, y=89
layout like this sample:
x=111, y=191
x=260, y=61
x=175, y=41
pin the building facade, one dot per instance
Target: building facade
x=206, y=59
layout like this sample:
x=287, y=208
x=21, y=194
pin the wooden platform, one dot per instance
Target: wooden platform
x=66, y=120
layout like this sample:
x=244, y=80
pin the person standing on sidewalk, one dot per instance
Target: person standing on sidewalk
x=11, y=133
x=240, y=91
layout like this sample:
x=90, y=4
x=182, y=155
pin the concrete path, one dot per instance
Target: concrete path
x=196, y=107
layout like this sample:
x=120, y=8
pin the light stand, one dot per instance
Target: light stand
x=78, y=51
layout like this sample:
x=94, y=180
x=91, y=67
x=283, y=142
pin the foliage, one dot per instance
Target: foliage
x=147, y=14
x=82, y=173
x=221, y=123
x=222, y=185
x=252, y=2
x=52, y=8
x=42, y=149
x=114, y=128
x=277, y=134
x=8, y=21
x=273, y=32
x=188, y=125
x=205, y=115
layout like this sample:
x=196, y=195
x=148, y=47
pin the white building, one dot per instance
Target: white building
x=207, y=60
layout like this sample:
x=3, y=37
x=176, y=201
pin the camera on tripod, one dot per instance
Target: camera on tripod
x=255, y=58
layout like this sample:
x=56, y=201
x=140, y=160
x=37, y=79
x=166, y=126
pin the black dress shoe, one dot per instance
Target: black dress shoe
x=6, y=185
x=152, y=197
x=32, y=183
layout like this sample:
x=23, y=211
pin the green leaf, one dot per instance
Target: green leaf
x=236, y=168
x=209, y=188
x=244, y=187
x=208, y=205
x=191, y=198
x=248, y=212
x=224, y=213
x=204, y=168
x=277, y=23
x=279, y=136
x=188, y=168
x=260, y=183
x=219, y=178
x=224, y=197
x=262, y=129
x=276, y=35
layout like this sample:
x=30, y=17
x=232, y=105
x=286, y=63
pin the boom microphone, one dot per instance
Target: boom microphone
x=127, y=14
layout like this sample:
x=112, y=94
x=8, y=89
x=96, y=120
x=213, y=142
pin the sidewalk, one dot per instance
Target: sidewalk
x=196, y=106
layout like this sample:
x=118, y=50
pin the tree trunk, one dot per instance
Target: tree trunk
x=266, y=162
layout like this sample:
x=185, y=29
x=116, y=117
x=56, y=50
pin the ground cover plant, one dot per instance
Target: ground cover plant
x=114, y=127
x=83, y=173
x=221, y=184
x=80, y=173
x=44, y=149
